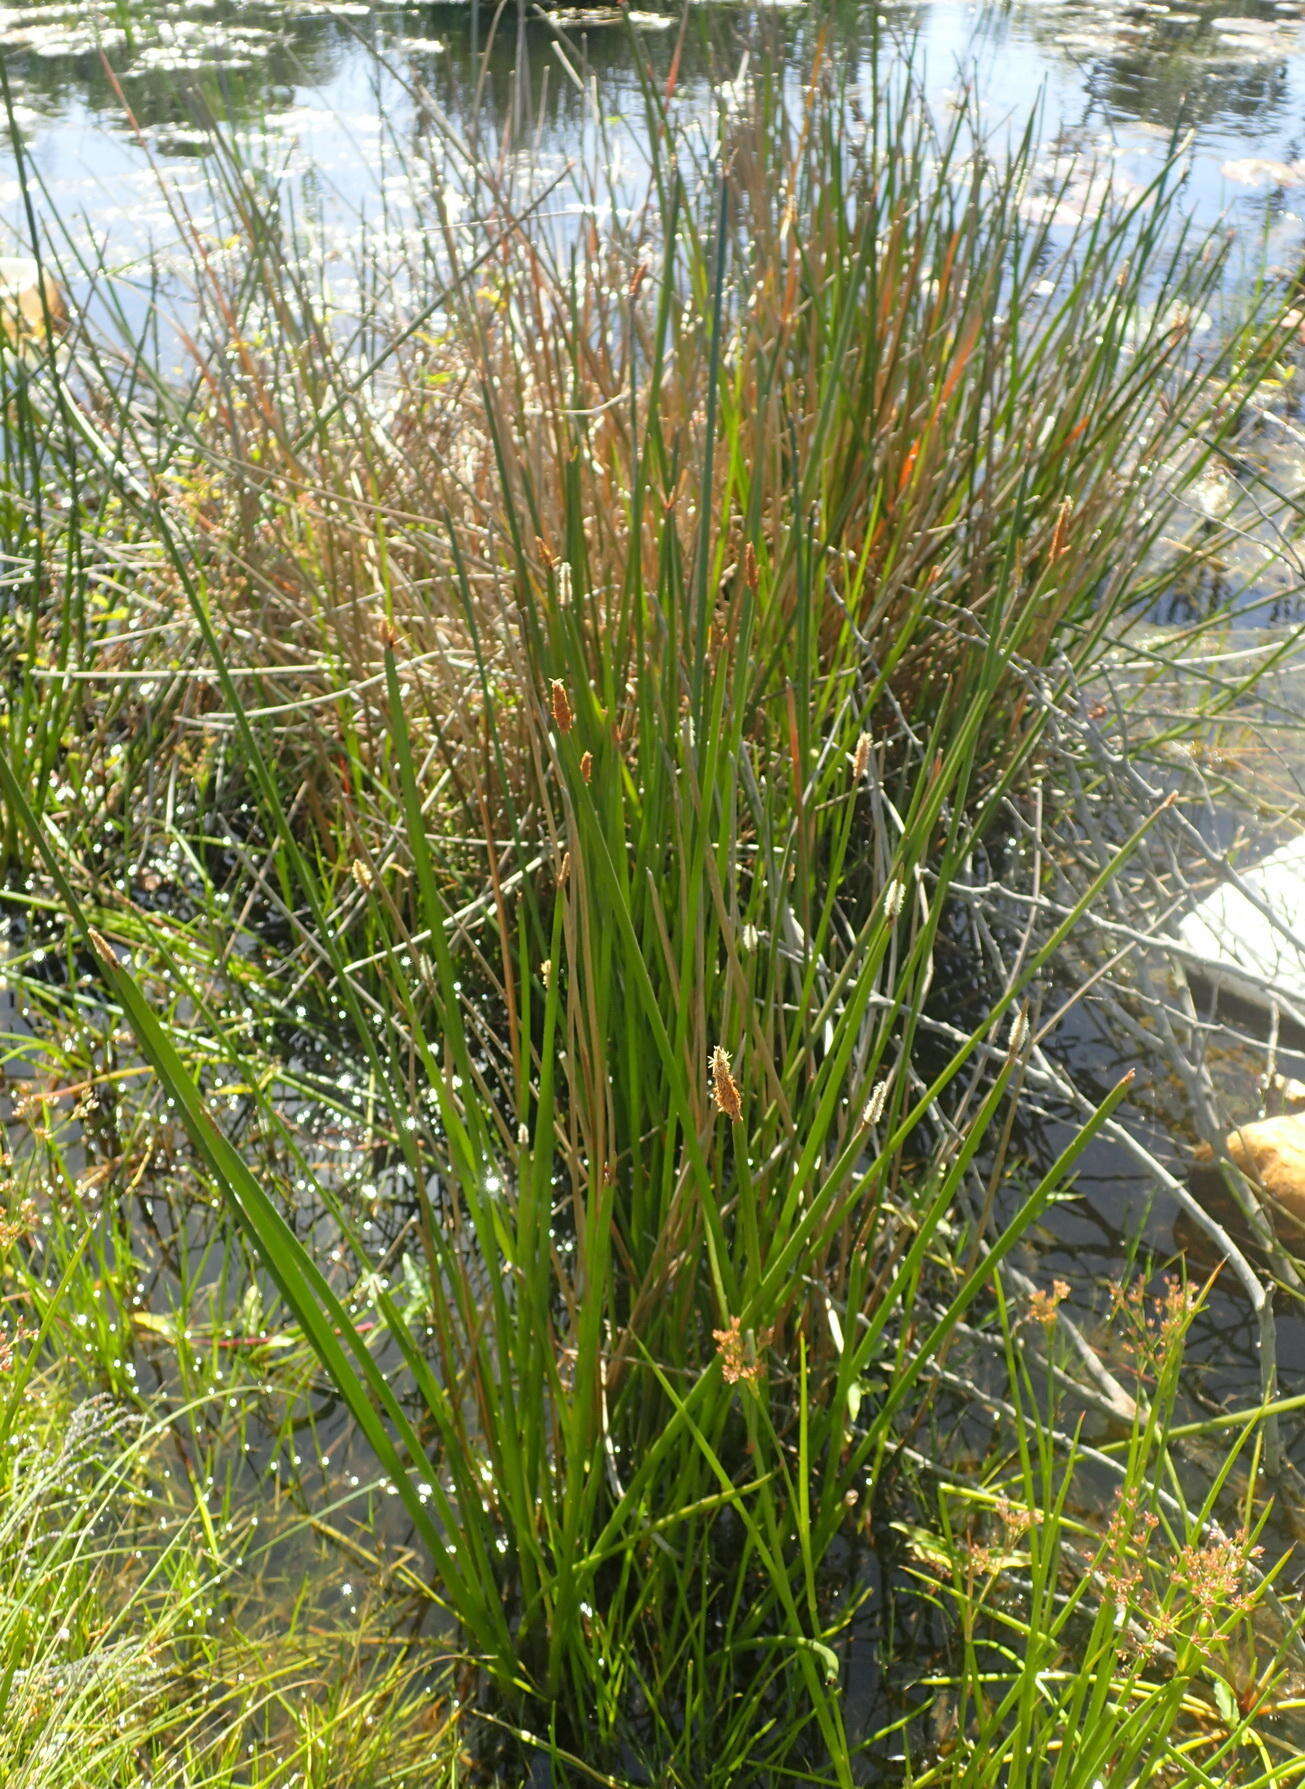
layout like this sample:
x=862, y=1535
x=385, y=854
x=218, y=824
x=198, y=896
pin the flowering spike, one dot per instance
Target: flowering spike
x=559, y=705
x=725, y=1089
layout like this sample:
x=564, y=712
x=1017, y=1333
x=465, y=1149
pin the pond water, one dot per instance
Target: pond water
x=102, y=93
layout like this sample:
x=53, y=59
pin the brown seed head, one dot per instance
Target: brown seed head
x=1058, y=532
x=102, y=948
x=559, y=705
x=587, y=766
x=725, y=1089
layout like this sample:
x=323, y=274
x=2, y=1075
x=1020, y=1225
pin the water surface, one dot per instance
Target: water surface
x=104, y=93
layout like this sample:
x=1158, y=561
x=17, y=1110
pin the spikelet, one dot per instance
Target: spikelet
x=559, y=706
x=1058, y=531
x=874, y=1106
x=724, y=1088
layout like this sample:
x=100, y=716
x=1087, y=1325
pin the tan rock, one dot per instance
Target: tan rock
x=28, y=296
x=1271, y=1154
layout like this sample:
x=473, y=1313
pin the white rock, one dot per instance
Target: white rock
x=1237, y=946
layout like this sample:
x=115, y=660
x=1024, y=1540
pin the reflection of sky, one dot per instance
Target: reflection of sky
x=1112, y=79
x=1127, y=98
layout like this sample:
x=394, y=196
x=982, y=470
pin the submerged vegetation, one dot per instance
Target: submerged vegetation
x=505, y=1090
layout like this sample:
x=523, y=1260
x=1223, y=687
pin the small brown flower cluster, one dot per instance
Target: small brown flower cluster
x=1169, y=1310
x=1211, y=1580
x=1044, y=1304
x=32, y=1108
x=1173, y=1309
x=1015, y=1520
x=1213, y=1575
x=14, y=1229
x=1155, y=1325
x=1199, y=1587
x=982, y=1558
x=1128, y=1537
x=739, y=1362
x=9, y=1340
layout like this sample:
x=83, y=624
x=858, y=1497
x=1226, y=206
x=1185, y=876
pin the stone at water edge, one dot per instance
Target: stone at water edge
x=1271, y=1154
x=27, y=297
x=1233, y=940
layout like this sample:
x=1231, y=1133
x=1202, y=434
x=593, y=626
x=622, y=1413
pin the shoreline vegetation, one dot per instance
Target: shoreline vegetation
x=549, y=826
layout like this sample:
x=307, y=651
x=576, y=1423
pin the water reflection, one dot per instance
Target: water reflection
x=1173, y=67
x=251, y=55
x=1224, y=70
x=320, y=86
x=250, y=59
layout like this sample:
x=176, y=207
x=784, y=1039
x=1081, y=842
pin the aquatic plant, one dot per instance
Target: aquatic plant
x=595, y=686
